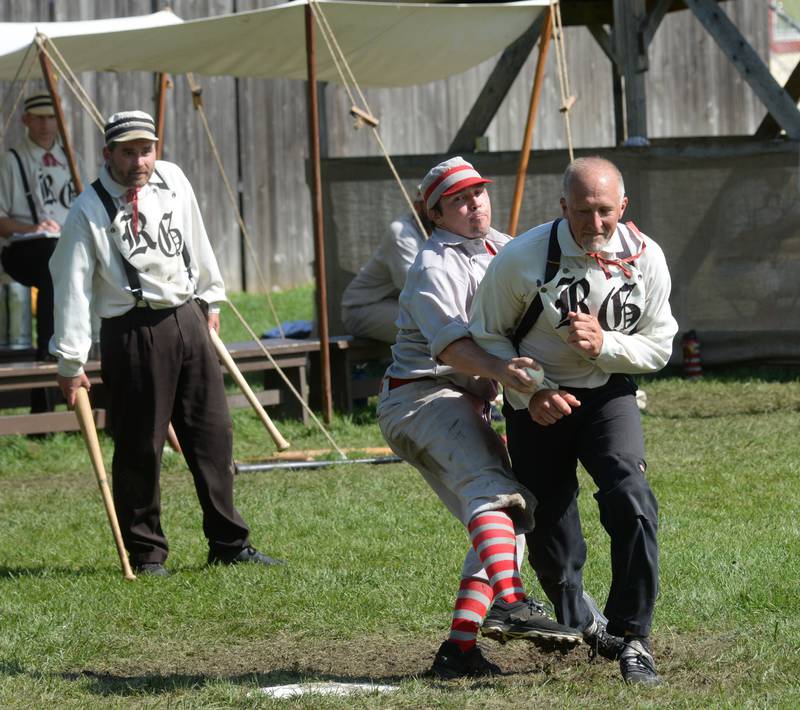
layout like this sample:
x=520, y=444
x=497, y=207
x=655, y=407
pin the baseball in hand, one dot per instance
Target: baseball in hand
x=536, y=375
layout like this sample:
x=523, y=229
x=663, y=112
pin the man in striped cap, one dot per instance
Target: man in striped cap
x=36, y=192
x=433, y=412
x=135, y=249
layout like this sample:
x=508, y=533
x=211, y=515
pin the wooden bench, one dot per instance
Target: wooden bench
x=296, y=358
x=357, y=366
x=292, y=356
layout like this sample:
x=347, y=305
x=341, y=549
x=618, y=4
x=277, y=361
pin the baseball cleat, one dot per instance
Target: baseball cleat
x=452, y=662
x=247, y=555
x=150, y=569
x=508, y=621
x=600, y=642
x=636, y=662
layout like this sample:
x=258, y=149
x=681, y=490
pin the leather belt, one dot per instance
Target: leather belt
x=395, y=382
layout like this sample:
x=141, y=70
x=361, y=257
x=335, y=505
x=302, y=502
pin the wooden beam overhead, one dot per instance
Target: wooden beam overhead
x=629, y=48
x=601, y=12
x=496, y=88
x=746, y=60
x=604, y=39
x=652, y=20
x=769, y=127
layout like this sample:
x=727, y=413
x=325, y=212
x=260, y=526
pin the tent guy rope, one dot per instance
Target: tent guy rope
x=567, y=100
x=197, y=102
x=93, y=111
x=347, y=77
x=21, y=90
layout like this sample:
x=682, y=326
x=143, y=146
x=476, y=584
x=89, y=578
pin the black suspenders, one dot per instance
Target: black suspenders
x=26, y=186
x=536, y=307
x=133, y=275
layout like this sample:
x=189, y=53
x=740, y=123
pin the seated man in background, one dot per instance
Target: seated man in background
x=36, y=192
x=369, y=303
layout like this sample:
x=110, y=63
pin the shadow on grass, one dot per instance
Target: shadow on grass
x=11, y=668
x=119, y=685
x=49, y=571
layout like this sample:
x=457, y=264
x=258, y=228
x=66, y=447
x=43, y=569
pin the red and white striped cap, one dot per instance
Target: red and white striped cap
x=449, y=177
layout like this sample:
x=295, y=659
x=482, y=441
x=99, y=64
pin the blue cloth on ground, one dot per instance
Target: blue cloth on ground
x=298, y=329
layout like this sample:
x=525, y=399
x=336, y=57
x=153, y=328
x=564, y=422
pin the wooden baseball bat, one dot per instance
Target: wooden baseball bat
x=227, y=360
x=83, y=410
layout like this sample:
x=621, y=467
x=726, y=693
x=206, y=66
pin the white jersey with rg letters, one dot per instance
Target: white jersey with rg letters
x=631, y=303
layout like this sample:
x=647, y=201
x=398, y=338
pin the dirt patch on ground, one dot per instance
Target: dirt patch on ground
x=289, y=659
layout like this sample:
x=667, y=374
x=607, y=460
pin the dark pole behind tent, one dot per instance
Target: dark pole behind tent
x=49, y=78
x=536, y=93
x=162, y=84
x=316, y=197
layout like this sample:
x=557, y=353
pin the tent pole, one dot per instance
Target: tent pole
x=163, y=83
x=316, y=194
x=536, y=93
x=49, y=78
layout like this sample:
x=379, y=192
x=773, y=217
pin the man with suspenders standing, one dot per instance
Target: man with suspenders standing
x=36, y=192
x=587, y=298
x=135, y=249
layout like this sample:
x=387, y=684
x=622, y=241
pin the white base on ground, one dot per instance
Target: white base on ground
x=297, y=689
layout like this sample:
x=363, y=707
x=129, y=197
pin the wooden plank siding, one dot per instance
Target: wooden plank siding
x=270, y=147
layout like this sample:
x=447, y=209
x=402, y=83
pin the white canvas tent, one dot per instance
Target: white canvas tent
x=384, y=44
x=387, y=44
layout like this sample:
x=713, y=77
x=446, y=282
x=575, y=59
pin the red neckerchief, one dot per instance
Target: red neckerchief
x=604, y=262
x=489, y=247
x=50, y=160
x=133, y=196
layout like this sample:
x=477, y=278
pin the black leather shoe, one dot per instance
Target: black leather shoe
x=636, y=662
x=151, y=569
x=600, y=642
x=452, y=662
x=247, y=555
x=525, y=619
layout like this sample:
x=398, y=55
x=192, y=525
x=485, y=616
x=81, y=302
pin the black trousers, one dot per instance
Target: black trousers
x=605, y=435
x=159, y=365
x=27, y=263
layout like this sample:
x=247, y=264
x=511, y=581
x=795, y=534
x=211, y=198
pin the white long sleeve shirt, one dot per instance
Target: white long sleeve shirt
x=51, y=186
x=87, y=265
x=384, y=275
x=634, y=311
x=434, y=304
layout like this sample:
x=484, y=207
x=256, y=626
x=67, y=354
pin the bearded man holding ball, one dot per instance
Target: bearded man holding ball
x=587, y=298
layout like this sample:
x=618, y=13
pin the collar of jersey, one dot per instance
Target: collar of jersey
x=114, y=188
x=470, y=246
x=37, y=151
x=569, y=247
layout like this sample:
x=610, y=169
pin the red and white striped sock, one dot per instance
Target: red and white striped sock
x=493, y=537
x=473, y=601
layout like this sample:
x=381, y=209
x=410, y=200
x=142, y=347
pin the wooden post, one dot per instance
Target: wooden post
x=632, y=55
x=316, y=198
x=536, y=93
x=50, y=80
x=163, y=83
x=496, y=89
x=748, y=63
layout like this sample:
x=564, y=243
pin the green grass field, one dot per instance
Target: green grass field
x=373, y=562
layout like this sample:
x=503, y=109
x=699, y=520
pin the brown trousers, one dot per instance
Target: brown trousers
x=159, y=365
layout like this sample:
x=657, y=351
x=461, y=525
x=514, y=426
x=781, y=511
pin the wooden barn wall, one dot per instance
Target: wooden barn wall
x=262, y=141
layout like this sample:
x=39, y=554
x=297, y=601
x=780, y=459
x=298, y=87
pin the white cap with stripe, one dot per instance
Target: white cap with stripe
x=447, y=178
